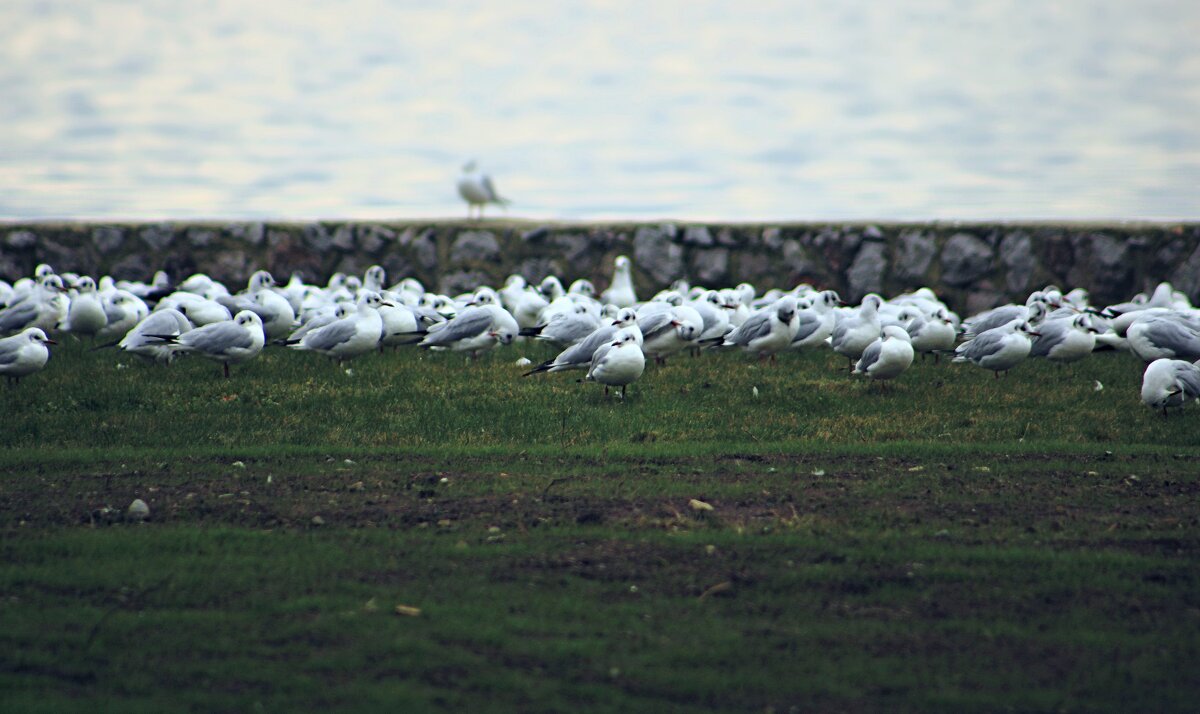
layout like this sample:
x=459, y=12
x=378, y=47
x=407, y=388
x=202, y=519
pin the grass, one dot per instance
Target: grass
x=954, y=543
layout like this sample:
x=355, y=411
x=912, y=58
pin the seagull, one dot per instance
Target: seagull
x=45, y=312
x=1162, y=297
x=145, y=338
x=1065, y=340
x=1032, y=312
x=618, y=363
x=815, y=324
x=714, y=312
x=888, y=356
x=354, y=335
x=477, y=190
x=767, y=331
x=932, y=333
x=580, y=355
x=229, y=342
x=664, y=332
x=24, y=353
x=122, y=310
x=403, y=325
x=277, y=313
x=199, y=310
x=855, y=333
x=1167, y=383
x=85, y=314
x=565, y=328
x=998, y=349
x=1164, y=334
x=620, y=291
x=478, y=328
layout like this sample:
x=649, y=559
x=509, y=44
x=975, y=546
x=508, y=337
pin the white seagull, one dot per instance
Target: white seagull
x=356, y=334
x=767, y=331
x=580, y=355
x=478, y=328
x=230, y=342
x=477, y=190
x=888, y=356
x=1170, y=383
x=998, y=349
x=933, y=333
x=85, y=315
x=24, y=353
x=855, y=333
x=1065, y=340
x=618, y=363
x=1164, y=334
x=814, y=325
x=145, y=339
x=620, y=291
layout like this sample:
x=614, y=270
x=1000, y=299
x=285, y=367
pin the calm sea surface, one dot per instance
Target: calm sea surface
x=590, y=110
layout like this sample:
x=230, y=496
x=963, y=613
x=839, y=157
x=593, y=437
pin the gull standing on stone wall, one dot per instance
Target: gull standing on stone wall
x=477, y=190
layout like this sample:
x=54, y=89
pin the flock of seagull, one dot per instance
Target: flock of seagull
x=609, y=336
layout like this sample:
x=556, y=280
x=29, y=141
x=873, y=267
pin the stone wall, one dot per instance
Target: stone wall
x=973, y=266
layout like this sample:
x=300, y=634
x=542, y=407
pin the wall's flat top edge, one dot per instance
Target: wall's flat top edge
x=500, y=223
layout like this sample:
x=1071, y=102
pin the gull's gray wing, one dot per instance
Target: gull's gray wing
x=915, y=325
x=755, y=326
x=1176, y=336
x=9, y=349
x=841, y=327
x=807, y=322
x=489, y=188
x=570, y=329
x=168, y=321
x=1052, y=335
x=984, y=344
x=215, y=339
x=599, y=357
x=467, y=324
x=331, y=335
x=18, y=315
x=996, y=317
x=1189, y=376
x=582, y=353
x=869, y=356
x=654, y=325
x=113, y=314
x=236, y=303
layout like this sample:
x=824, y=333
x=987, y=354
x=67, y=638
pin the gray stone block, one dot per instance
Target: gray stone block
x=867, y=272
x=107, y=239
x=1187, y=276
x=917, y=249
x=424, y=250
x=343, y=238
x=698, y=236
x=965, y=259
x=372, y=238
x=317, y=237
x=474, y=245
x=460, y=281
x=200, y=237
x=657, y=255
x=158, y=237
x=711, y=267
x=20, y=240
x=1016, y=253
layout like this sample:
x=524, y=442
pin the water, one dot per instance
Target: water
x=692, y=110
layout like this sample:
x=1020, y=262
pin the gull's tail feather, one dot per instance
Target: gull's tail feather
x=543, y=367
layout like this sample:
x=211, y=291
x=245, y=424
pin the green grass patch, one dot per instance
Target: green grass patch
x=954, y=543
